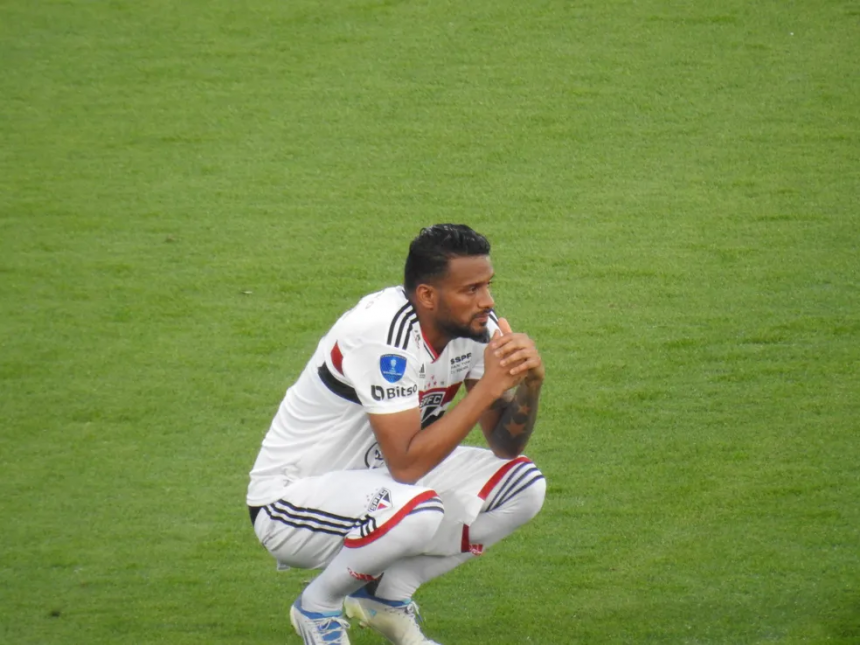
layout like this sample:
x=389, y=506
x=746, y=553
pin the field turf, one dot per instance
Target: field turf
x=191, y=192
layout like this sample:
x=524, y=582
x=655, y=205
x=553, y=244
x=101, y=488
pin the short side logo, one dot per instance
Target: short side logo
x=380, y=500
x=393, y=367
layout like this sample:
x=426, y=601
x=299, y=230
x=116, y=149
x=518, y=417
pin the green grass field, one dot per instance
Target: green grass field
x=191, y=192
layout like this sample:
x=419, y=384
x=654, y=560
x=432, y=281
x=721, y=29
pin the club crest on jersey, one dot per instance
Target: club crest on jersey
x=393, y=367
x=380, y=501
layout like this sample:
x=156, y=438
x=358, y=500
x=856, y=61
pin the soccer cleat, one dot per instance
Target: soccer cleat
x=319, y=629
x=398, y=622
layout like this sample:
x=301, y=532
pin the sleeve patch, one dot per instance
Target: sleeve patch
x=392, y=367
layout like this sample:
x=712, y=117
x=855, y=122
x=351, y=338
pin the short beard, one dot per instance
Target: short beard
x=453, y=330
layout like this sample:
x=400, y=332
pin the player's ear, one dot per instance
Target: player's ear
x=426, y=296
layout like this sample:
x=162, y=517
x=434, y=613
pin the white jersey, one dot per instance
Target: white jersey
x=374, y=360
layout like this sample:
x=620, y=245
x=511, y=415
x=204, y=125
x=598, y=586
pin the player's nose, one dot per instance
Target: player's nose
x=486, y=301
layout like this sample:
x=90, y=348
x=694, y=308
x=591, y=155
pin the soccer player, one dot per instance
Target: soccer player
x=361, y=473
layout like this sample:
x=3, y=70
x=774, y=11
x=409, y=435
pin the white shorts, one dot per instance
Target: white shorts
x=315, y=516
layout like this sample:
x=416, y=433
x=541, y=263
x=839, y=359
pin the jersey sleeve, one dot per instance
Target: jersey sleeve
x=476, y=371
x=385, y=378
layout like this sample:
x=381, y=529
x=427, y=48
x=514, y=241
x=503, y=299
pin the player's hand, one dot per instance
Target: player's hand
x=497, y=376
x=517, y=354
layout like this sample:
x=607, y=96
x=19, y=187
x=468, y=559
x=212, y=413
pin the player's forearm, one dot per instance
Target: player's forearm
x=434, y=443
x=515, y=421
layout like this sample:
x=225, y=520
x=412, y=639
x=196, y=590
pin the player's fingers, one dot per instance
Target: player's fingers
x=533, y=362
x=520, y=354
x=507, y=345
x=500, y=340
x=504, y=326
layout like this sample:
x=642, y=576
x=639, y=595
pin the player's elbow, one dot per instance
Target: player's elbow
x=407, y=471
x=405, y=475
x=506, y=452
x=506, y=446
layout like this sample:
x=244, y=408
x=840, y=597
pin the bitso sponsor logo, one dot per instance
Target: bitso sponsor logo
x=382, y=393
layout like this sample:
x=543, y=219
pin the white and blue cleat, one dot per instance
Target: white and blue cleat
x=399, y=622
x=317, y=628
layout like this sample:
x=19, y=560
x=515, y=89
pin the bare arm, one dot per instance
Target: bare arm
x=410, y=452
x=509, y=422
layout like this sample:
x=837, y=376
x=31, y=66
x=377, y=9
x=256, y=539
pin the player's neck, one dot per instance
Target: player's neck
x=433, y=335
x=437, y=339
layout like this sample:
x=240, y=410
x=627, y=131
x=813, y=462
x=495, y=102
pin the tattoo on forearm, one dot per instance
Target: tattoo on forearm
x=500, y=404
x=517, y=420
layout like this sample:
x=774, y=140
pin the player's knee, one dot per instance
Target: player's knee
x=533, y=496
x=424, y=518
x=525, y=496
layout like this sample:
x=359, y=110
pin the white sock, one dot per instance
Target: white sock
x=405, y=576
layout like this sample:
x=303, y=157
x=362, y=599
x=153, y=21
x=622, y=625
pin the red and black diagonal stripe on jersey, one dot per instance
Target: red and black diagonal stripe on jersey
x=401, y=326
x=331, y=381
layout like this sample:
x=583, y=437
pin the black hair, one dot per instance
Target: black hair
x=435, y=245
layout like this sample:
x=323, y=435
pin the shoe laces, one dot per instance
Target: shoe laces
x=411, y=612
x=331, y=629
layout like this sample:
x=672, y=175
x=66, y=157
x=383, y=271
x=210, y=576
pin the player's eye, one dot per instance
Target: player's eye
x=475, y=288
